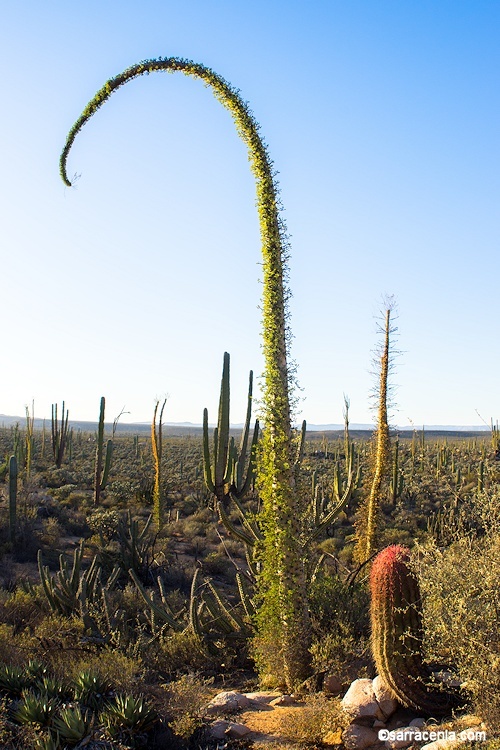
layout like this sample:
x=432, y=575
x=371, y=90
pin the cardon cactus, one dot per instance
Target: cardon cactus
x=397, y=634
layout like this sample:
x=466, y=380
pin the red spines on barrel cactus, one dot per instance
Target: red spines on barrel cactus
x=397, y=634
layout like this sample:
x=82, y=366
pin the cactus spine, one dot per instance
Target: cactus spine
x=283, y=587
x=101, y=468
x=12, y=498
x=397, y=634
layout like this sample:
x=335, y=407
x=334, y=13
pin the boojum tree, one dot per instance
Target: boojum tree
x=283, y=619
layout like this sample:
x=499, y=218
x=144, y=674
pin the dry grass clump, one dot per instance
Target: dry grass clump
x=309, y=726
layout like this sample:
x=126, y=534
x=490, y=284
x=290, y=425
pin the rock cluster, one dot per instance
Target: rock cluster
x=374, y=719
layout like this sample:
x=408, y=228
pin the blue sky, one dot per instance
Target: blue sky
x=382, y=119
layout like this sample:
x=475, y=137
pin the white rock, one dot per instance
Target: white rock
x=360, y=701
x=262, y=697
x=227, y=702
x=388, y=704
x=356, y=737
x=440, y=744
x=283, y=700
x=402, y=738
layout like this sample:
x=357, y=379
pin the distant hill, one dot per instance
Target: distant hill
x=191, y=428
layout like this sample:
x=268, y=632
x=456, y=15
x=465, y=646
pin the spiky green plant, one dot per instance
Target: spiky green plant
x=35, y=708
x=128, y=715
x=284, y=614
x=13, y=680
x=397, y=635
x=91, y=688
x=73, y=724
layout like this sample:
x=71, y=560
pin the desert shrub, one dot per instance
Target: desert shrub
x=9, y=647
x=218, y=564
x=187, y=697
x=116, y=668
x=461, y=600
x=179, y=653
x=309, y=725
x=51, y=532
x=338, y=607
x=20, y=610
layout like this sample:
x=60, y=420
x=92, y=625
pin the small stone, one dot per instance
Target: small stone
x=332, y=685
x=261, y=697
x=283, y=700
x=360, y=701
x=356, y=737
x=403, y=738
x=237, y=731
x=218, y=730
x=440, y=744
x=388, y=704
x=417, y=723
x=227, y=702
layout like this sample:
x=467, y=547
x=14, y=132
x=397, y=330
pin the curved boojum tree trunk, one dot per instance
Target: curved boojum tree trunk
x=284, y=619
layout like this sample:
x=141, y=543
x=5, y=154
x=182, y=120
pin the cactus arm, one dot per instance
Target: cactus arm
x=221, y=463
x=207, y=468
x=107, y=464
x=244, y=436
x=241, y=489
x=161, y=612
x=246, y=600
x=240, y=534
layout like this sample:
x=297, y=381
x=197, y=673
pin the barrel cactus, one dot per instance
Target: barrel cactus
x=397, y=635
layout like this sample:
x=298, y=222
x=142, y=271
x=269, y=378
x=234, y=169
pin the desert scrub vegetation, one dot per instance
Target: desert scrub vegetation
x=167, y=556
x=462, y=602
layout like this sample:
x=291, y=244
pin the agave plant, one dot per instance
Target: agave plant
x=127, y=715
x=13, y=680
x=51, y=687
x=35, y=708
x=90, y=688
x=73, y=724
x=47, y=742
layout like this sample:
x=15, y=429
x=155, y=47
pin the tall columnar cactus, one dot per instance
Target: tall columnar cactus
x=30, y=440
x=397, y=634
x=157, y=448
x=225, y=476
x=12, y=498
x=102, y=462
x=285, y=618
x=59, y=434
x=397, y=481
